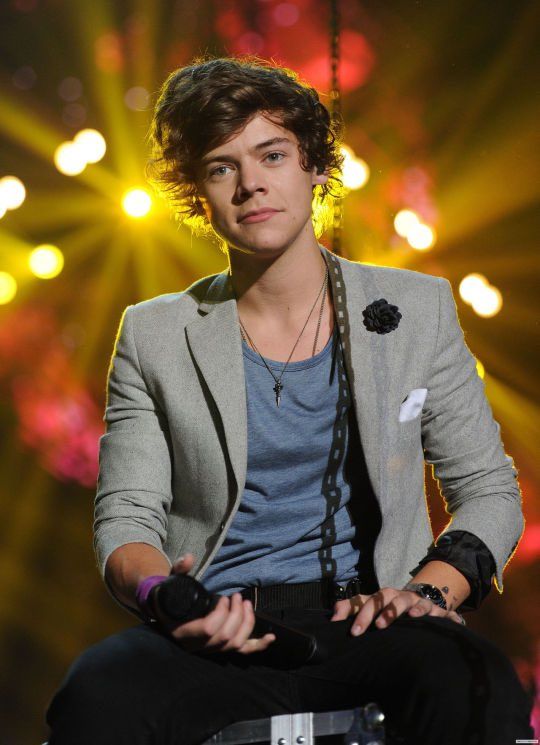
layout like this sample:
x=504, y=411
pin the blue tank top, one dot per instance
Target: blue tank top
x=294, y=522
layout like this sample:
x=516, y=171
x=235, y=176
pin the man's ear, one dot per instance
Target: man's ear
x=318, y=178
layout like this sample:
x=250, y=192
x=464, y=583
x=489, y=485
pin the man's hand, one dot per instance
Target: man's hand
x=227, y=628
x=386, y=605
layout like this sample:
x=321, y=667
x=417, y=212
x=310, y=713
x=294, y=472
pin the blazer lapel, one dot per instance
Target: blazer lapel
x=216, y=344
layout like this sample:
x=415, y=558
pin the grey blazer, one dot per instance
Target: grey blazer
x=172, y=463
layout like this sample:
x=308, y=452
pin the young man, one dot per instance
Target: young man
x=270, y=424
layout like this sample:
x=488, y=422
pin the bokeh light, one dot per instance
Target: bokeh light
x=70, y=89
x=70, y=159
x=488, y=303
x=421, y=237
x=355, y=171
x=24, y=78
x=137, y=98
x=92, y=144
x=8, y=287
x=471, y=285
x=109, y=52
x=137, y=203
x=485, y=299
x=12, y=192
x=286, y=14
x=46, y=261
x=405, y=221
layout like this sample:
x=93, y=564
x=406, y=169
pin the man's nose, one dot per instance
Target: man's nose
x=250, y=180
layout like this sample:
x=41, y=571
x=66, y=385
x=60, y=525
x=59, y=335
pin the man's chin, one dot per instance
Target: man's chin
x=259, y=250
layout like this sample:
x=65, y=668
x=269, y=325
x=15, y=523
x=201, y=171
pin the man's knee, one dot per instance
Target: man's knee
x=87, y=693
x=460, y=663
x=114, y=680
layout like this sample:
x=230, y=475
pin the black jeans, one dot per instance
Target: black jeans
x=437, y=682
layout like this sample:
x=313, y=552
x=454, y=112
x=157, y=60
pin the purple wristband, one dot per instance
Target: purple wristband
x=143, y=591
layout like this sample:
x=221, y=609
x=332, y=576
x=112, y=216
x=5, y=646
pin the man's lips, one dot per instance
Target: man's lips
x=258, y=216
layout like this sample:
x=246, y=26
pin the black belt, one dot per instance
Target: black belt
x=322, y=594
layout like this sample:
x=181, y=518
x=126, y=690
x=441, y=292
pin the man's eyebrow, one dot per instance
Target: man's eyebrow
x=255, y=148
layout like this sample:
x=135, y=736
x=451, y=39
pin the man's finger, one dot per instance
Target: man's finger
x=257, y=645
x=438, y=611
x=399, y=605
x=342, y=610
x=371, y=608
x=246, y=627
x=207, y=626
x=421, y=608
x=183, y=564
x=226, y=632
x=452, y=615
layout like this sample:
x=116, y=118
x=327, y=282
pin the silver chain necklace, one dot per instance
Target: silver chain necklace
x=278, y=387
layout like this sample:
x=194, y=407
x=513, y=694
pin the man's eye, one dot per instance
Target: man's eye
x=215, y=171
x=219, y=170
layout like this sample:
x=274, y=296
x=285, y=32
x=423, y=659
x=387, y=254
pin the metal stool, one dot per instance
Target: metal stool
x=361, y=726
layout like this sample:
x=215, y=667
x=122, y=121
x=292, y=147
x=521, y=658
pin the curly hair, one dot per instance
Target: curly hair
x=204, y=104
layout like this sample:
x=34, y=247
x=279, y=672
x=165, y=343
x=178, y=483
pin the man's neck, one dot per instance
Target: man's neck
x=279, y=291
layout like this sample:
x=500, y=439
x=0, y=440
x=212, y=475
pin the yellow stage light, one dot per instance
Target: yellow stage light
x=46, y=261
x=488, y=303
x=8, y=288
x=70, y=159
x=421, y=236
x=136, y=203
x=480, y=369
x=471, y=286
x=355, y=171
x=3, y=210
x=405, y=221
x=12, y=192
x=92, y=143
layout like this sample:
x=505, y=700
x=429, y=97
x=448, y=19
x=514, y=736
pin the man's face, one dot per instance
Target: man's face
x=259, y=168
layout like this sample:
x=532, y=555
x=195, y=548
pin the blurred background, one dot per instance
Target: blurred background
x=442, y=177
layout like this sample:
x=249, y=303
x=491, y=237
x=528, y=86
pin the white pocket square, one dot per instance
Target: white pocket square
x=412, y=406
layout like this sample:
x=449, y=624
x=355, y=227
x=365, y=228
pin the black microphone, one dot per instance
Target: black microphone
x=182, y=598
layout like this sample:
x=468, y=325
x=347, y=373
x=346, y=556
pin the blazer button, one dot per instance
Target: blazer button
x=222, y=526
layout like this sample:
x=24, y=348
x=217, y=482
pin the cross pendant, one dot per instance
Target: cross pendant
x=277, y=389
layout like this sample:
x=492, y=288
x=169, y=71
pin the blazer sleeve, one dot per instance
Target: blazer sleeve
x=462, y=443
x=470, y=556
x=134, y=494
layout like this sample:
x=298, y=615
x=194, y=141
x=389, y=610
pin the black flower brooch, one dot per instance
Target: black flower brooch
x=381, y=317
